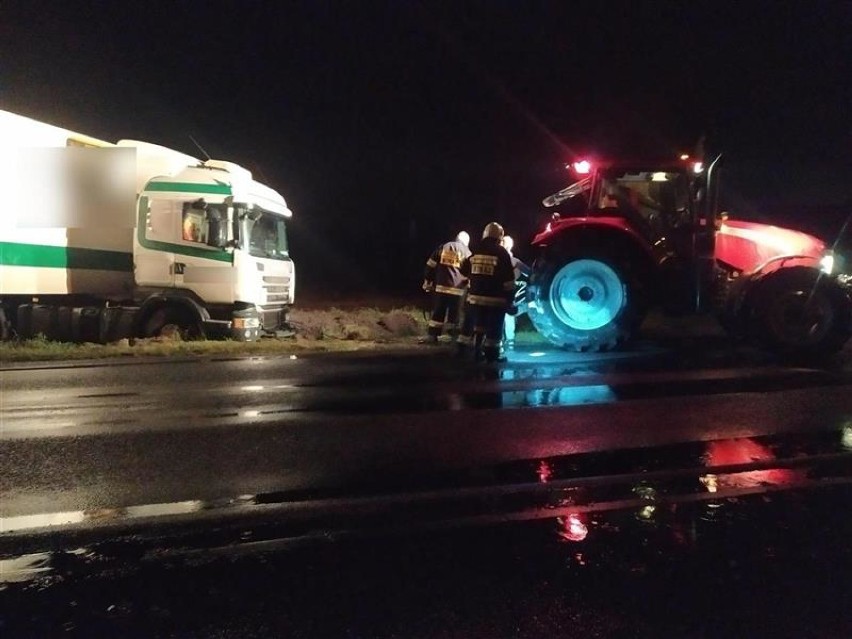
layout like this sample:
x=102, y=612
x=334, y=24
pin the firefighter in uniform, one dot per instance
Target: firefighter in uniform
x=490, y=295
x=443, y=278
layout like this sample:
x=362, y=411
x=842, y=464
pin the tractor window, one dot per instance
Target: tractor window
x=661, y=198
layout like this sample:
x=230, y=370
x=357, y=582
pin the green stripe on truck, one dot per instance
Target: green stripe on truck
x=39, y=255
x=188, y=187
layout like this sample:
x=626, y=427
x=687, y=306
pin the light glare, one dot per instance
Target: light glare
x=583, y=167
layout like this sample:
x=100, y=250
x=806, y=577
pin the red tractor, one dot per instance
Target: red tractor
x=633, y=236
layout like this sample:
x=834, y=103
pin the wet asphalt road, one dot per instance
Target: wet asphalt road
x=554, y=495
x=101, y=436
x=765, y=566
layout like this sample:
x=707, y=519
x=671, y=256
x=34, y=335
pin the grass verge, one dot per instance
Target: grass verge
x=319, y=330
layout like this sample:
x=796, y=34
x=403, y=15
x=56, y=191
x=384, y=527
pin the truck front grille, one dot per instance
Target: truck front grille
x=277, y=289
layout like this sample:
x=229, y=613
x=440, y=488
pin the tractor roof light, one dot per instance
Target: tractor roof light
x=583, y=167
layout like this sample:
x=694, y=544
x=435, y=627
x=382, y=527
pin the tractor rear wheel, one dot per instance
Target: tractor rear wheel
x=801, y=313
x=585, y=301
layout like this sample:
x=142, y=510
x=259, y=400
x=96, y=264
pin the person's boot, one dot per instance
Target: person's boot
x=429, y=339
x=478, y=353
x=493, y=355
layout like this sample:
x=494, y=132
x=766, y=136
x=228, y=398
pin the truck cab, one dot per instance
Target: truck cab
x=210, y=232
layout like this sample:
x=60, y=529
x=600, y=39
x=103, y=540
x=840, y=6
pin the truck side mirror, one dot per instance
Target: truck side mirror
x=217, y=232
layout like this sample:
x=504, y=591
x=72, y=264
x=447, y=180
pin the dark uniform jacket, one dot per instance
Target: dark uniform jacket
x=444, y=268
x=492, y=276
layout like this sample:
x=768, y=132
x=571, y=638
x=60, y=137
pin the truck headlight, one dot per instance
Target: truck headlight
x=826, y=264
x=246, y=322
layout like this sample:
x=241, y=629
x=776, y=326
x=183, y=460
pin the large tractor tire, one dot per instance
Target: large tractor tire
x=798, y=312
x=585, y=301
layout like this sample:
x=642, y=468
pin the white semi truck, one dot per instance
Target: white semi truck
x=101, y=241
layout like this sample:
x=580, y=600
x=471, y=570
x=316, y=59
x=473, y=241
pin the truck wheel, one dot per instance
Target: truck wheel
x=5, y=326
x=168, y=322
x=798, y=312
x=586, y=302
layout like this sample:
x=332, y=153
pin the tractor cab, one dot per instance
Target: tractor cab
x=654, y=199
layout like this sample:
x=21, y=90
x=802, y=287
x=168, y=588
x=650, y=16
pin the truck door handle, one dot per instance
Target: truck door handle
x=178, y=268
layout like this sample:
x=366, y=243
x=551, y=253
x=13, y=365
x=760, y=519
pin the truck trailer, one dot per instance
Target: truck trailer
x=101, y=241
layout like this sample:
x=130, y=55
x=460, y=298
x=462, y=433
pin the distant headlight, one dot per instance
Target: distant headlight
x=826, y=264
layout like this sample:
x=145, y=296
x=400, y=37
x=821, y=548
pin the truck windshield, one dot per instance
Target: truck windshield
x=264, y=234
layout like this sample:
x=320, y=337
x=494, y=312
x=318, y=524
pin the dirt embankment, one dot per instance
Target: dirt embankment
x=365, y=324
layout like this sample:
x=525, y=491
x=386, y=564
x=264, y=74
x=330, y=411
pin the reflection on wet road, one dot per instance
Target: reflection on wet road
x=108, y=449
x=155, y=396
x=773, y=565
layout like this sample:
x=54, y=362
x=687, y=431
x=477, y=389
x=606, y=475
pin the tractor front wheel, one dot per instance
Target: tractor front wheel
x=800, y=312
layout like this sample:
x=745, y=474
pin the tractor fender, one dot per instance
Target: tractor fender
x=612, y=234
x=564, y=229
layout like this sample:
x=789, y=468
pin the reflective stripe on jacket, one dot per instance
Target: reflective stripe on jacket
x=444, y=268
x=492, y=276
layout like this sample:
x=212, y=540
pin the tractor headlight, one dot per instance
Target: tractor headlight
x=826, y=264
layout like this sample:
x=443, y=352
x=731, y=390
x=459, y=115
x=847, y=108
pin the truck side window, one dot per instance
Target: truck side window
x=162, y=220
x=194, y=224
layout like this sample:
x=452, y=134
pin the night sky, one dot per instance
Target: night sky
x=389, y=126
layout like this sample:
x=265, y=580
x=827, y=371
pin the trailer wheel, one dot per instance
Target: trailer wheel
x=585, y=301
x=169, y=322
x=798, y=312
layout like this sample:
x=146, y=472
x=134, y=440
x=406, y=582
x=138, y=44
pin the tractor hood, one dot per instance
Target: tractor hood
x=750, y=246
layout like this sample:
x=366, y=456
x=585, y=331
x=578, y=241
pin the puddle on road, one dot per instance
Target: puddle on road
x=576, y=491
x=524, y=388
x=25, y=568
x=49, y=520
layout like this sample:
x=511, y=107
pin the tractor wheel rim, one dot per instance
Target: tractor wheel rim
x=800, y=318
x=586, y=294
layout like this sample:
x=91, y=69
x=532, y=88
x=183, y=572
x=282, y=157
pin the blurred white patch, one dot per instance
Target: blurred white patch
x=209, y=274
x=75, y=187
